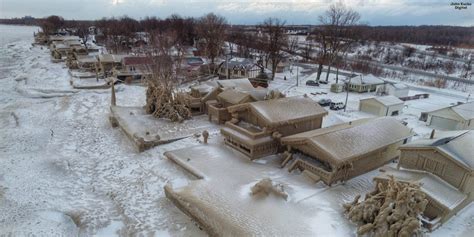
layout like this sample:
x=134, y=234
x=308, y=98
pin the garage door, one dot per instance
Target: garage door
x=443, y=123
x=370, y=108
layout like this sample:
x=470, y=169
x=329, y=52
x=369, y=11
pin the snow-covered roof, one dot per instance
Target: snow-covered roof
x=388, y=100
x=287, y=110
x=243, y=84
x=239, y=63
x=87, y=59
x=110, y=58
x=344, y=142
x=464, y=111
x=233, y=96
x=366, y=80
x=459, y=145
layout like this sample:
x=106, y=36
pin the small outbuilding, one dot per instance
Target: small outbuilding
x=395, y=89
x=456, y=117
x=343, y=151
x=382, y=106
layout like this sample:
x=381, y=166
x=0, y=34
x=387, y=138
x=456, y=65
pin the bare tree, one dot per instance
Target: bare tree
x=163, y=100
x=337, y=33
x=211, y=29
x=51, y=24
x=274, y=41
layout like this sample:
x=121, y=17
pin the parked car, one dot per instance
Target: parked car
x=312, y=83
x=324, y=102
x=323, y=82
x=337, y=106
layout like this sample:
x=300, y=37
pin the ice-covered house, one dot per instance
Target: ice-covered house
x=456, y=117
x=382, y=106
x=201, y=94
x=444, y=167
x=343, y=151
x=239, y=68
x=217, y=109
x=395, y=89
x=108, y=62
x=255, y=128
x=364, y=83
x=87, y=63
x=135, y=68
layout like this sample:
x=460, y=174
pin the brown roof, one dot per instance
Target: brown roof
x=346, y=142
x=132, y=60
x=287, y=110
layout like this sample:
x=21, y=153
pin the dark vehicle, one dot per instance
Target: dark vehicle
x=324, y=102
x=337, y=106
x=312, y=83
x=323, y=82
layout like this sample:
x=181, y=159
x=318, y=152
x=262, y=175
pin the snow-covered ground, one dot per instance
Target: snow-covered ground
x=65, y=170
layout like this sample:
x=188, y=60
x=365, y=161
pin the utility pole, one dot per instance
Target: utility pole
x=297, y=79
x=227, y=66
x=347, y=93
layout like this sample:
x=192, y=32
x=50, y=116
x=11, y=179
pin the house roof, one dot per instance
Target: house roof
x=366, y=80
x=459, y=145
x=242, y=84
x=233, y=96
x=133, y=60
x=347, y=141
x=87, y=59
x=464, y=111
x=287, y=110
x=239, y=63
x=112, y=58
x=388, y=100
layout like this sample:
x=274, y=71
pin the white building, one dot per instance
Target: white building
x=395, y=89
x=382, y=106
x=456, y=117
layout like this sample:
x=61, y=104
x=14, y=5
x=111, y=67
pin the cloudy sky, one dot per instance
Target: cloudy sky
x=374, y=12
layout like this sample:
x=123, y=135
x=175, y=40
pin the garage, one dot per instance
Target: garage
x=381, y=106
x=443, y=123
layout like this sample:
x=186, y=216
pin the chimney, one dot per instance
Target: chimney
x=432, y=134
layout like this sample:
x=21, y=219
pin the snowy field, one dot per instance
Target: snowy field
x=65, y=171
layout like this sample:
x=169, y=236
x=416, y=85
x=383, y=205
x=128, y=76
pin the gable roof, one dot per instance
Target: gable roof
x=234, y=97
x=287, y=110
x=347, y=141
x=365, y=80
x=466, y=110
x=458, y=145
x=388, y=100
x=243, y=84
x=110, y=58
x=462, y=111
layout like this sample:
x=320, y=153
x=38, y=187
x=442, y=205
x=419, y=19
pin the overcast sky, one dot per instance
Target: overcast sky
x=373, y=12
